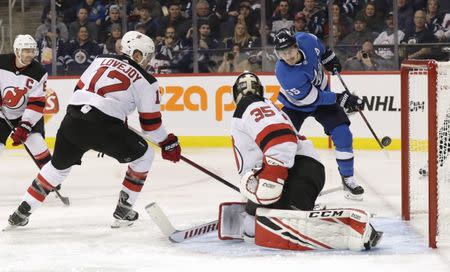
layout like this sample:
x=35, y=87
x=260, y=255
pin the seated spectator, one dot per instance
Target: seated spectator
x=169, y=45
x=150, y=24
x=240, y=37
x=82, y=20
x=434, y=19
x=204, y=13
x=109, y=46
x=299, y=23
x=419, y=34
x=112, y=18
x=246, y=16
x=373, y=22
x=359, y=35
x=315, y=18
x=233, y=61
x=79, y=53
x=118, y=47
x=45, y=29
x=63, y=7
x=341, y=20
x=387, y=38
x=174, y=19
x=154, y=5
x=351, y=7
x=340, y=52
x=260, y=57
x=96, y=11
x=282, y=17
x=45, y=53
x=366, y=60
x=405, y=15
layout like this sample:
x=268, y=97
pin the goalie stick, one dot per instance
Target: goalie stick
x=64, y=200
x=175, y=235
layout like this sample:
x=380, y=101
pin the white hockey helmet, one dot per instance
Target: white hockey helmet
x=247, y=83
x=134, y=40
x=24, y=42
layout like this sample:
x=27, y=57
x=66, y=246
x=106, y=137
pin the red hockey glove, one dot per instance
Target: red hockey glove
x=170, y=148
x=20, y=135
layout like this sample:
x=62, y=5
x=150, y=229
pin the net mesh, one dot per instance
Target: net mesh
x=418, y=148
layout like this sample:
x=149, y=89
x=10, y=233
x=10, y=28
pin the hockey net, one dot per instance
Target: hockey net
x=425, y=87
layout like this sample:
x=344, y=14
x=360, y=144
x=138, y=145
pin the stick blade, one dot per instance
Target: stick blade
x=160, y=219
x=196, y=231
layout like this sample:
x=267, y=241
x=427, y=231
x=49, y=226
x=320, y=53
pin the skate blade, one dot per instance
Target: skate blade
x=9, y=227
x=119, y=223
x=350, y=196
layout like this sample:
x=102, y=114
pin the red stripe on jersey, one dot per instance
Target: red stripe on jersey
x=150, y=120
x=35, y=194
x=356, y=225
x=136, y=175
x=80, y=85
x=300, y=234
x=36, y=99
x=150, y=115
x=272, y=129
x=35, y=108
x=44, y=182
x=279, y=140
x=131, y=186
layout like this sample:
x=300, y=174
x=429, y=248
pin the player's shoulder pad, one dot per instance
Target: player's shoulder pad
x=244, y=103
x=151, y=79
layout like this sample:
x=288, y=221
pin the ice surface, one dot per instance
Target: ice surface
x=79, y=237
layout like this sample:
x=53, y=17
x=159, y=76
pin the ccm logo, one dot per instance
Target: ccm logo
x=325, y=214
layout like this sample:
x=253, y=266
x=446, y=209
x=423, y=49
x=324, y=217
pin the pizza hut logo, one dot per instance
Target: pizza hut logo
x=13, y=97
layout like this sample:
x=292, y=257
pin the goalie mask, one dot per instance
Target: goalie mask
x=247, y=83
x=25, y=49
x=134, y=40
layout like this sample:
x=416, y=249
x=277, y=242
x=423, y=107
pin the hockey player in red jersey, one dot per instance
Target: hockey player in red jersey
x=109, y=90
x=281, y=176
x=22, y=99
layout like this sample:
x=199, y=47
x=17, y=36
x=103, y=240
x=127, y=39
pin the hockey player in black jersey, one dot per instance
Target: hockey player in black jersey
x=109, y=90
x=22, y=99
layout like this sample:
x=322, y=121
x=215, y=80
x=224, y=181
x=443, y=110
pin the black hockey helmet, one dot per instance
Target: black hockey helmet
x=247, y=83
x=283, y=39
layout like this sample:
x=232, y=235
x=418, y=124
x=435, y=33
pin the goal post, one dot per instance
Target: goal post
x=425, y=114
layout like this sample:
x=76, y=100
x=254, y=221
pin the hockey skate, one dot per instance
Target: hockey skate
x=20, y=217
x=352, y=190
x=124, y=214
x=374, y=238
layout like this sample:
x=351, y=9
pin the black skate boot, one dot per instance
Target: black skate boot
x=124, y=213
x=20, y=217
x=352, y=190
x=374, y=238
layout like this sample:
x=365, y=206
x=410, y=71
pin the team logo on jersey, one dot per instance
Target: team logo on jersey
x=13, y=97
x=80, y=56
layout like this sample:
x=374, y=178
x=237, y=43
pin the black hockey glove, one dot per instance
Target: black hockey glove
x=331, y=62
x=349, y=102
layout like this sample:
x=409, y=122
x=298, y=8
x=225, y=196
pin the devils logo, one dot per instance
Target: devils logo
x=13, y=97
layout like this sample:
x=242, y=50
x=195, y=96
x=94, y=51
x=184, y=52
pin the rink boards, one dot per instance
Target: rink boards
x=199, y=108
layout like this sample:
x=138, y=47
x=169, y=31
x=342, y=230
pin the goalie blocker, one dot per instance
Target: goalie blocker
x=300, y=230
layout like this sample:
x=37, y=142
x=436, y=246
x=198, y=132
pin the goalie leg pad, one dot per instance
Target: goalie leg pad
x=314, y=230
x=231, y=220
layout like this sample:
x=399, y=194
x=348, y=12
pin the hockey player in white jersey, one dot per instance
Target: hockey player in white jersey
x=110, y=89
x=281, y=176
x=22, y=99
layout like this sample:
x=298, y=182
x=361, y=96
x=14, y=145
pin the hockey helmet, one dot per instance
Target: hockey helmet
x=24, y=42
x=245, y=84
x=283, y=39
x=134, y=40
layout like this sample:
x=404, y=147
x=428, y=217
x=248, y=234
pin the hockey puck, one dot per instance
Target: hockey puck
x=386, y=141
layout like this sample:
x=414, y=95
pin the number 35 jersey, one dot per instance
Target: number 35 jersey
x=117, y=85
x=260, y=129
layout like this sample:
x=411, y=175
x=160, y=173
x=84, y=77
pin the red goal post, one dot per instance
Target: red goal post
x=425, y=104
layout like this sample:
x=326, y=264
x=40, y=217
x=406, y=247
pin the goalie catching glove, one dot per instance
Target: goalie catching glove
x=349, y=101
x=170, y=148
x=264, y=186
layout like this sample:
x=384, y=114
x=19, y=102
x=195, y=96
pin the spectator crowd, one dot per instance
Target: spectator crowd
x=231, y=36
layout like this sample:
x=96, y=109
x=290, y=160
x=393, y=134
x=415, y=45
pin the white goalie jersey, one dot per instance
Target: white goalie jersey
x=22, y=90
x=260, y=129
x=117, y=86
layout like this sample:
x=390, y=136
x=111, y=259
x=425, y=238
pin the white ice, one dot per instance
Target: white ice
x=79, y=237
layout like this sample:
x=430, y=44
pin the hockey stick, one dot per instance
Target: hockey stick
x=386, y=140
x=175, y=235
x=64, y=200
x=188, y=161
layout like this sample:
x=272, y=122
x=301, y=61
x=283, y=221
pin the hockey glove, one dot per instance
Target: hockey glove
x=331, y=62
x=264, y=186
x=170, y=148
x=349, y=102
x=21, y=133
